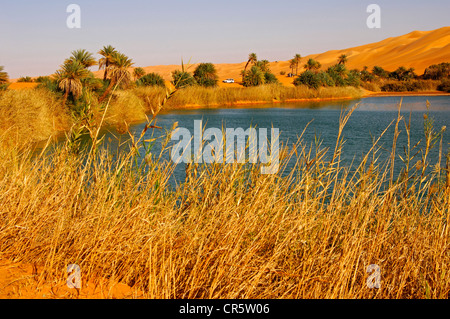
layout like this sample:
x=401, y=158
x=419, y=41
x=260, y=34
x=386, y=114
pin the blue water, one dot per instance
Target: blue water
x=368, y=121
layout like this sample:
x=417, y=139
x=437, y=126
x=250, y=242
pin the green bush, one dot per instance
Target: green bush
x=380, y=72
x=25, y=79
x=206, y=75
x=308, y=78
x=325, y=79
x=51, y=85
x=182, y=79
x=338, y=73
x=353, y=79
x=270, y=78
x=41, y=79
x=365, y=76
x=151, y=79
x=254, y=77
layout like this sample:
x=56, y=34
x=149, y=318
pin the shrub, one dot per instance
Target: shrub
x=402, y=74
x=270, y=78
x=182, y=79
x=25, y=79
x=420, y=85
x=51, y=85
x=353, y=79
x=33, y=115
x=308, y=78
x=151, y=79
x=206, y=75
x=437, y=71
x=282, y=72
x=41, y=79
x=444, y=86
x=394, y=87
x=365, y=76
x=338, y=73
x=380, y=72
x=325, y=79
x=370, y=86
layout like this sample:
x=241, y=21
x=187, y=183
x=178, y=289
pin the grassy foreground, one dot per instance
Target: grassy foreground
x=230, y=232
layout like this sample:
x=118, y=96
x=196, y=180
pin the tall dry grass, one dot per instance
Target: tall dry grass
x=230, y=232
x=200, y=96
x=31, y=115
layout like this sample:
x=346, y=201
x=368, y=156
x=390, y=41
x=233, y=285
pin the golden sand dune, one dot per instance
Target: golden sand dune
x=418, y=49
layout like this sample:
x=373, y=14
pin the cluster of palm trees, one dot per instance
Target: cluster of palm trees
x=259, y=73
x=311, y=64
x=294, y=63
x=74, y=74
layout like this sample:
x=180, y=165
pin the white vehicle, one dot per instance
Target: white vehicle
x=228, y=81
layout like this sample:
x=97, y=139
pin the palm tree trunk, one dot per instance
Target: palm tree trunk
x=245, y=69
x=105, y=94
x=105, y=74
x=66, y=94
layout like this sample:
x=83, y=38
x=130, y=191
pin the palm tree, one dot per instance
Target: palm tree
x=138, y=73
x=263, y=65
x=119, y=72
x=84, y=57
x=3, y=75
x=342, y=59
x=105, y=62
x=69, y=78
x=206, y=74
x=254, y=77
x=297, y=59
x=312, y=65
x=252, y=58
x=292, y=64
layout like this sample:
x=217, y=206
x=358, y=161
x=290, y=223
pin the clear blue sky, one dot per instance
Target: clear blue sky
x=34, y=38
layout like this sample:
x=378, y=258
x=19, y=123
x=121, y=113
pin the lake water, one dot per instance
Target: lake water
x=368, y=121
